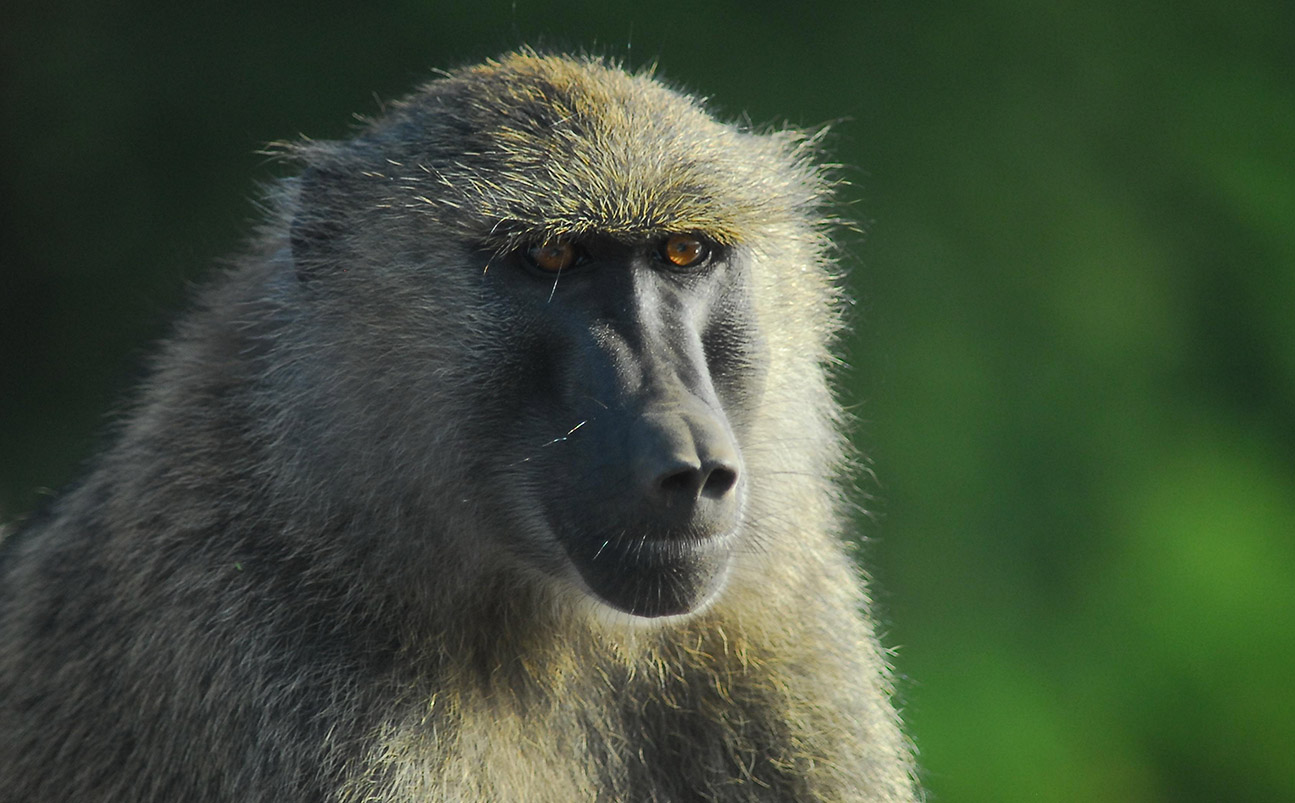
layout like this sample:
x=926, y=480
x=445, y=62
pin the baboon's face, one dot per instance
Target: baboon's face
x=638, y=366
x=545, y=277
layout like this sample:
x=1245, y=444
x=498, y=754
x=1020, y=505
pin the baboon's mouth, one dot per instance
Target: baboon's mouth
x=652, y=577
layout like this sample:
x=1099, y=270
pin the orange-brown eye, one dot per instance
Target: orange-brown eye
x=684, y=250
x=553, y=256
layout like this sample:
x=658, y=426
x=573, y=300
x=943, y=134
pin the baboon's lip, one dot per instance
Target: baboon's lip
x=653, y=577
x=651, y=550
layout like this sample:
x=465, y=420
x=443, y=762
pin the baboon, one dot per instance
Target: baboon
x=502, y=466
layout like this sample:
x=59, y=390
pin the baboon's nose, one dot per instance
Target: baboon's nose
x=689, y=466
x=711, y=479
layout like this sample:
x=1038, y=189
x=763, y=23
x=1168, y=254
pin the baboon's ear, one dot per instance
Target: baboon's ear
x=317, y=230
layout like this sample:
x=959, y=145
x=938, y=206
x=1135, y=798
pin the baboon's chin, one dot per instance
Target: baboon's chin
x=652, y=578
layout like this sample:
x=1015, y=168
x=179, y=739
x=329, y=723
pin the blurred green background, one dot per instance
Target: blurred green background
x=1074, y=356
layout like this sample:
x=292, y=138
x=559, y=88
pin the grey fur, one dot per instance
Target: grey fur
x=295, y=577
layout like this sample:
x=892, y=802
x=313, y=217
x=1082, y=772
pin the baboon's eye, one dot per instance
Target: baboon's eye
x=684, y=250
x=553, y=256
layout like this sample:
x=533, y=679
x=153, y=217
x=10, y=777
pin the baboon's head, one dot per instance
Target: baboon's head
x=550, y=286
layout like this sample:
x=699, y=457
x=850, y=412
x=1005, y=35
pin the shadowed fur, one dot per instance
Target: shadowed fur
x=403, y=514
